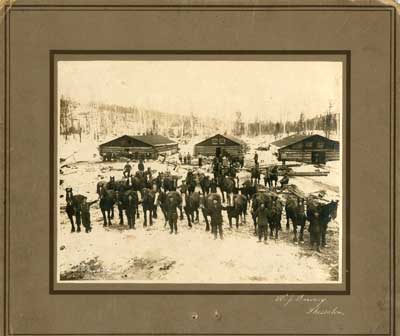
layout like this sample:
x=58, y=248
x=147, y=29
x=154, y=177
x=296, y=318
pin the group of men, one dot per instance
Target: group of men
x=185, y=159
x=128, y=168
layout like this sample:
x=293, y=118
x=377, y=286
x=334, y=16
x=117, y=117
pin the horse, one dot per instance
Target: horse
x=101, y=185
x=128, y=201
x=138, y=181
x=232, y=173
x=238, y=209
x=272, y=176
x=190, y=182
x=205, y=184
x=294, y=209
x=192, y=204
x=119, y=185
x=169, y=183
x=319, y=215
x=148, y=204
x=206, y=203
x=226, y=185
x=107, y=201
x=73, y=208
x=255, y=175
x=267, y=179
x=275, y=217
x=248, y=190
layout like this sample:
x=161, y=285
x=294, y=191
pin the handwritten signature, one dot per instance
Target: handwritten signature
x=313, y=305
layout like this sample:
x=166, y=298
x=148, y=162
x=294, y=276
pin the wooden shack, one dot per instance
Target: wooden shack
x=137, y=146
x=220, y=144
x=312, y=148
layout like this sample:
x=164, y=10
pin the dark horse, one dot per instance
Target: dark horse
x=205, y=184
x=238, y=209
x=271, y=176
x=73, y=208
x=148, y=204
x=190, y=182
x=192, y=204
x=248, y=190
x=206, y=206
x=128, y=201
x=255, y=175
x=107, y=201
x=169, y=182
x=295, y=212
x=319, y=215
x=275, y=217
x=227, y=185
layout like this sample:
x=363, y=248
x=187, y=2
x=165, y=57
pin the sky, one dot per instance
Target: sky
x=263, y=90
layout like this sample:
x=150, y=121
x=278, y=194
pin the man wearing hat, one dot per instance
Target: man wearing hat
x=285, y=180
x=216, y=219
x=127, y=169
x=85, y=214
x=262, y=215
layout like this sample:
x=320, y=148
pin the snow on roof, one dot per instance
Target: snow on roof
x=154, y=140
x=229, y=137
x=290, y=140
x=295, y=138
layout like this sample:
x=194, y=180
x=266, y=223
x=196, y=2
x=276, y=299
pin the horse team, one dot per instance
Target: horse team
x=267, y=207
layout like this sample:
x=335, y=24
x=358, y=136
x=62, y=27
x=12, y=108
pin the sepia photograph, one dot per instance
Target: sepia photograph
x=199, y=171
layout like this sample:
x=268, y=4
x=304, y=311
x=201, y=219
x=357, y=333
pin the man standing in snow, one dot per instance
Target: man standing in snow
x=85, y=214
x=262, y=214
x=172, y=213
x=256, y=158
x=216, y=219
x=127, y=169
x=285, y=180
x=141, y=166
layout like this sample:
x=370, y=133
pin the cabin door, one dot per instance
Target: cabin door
x=318, y=157
x=218, y=152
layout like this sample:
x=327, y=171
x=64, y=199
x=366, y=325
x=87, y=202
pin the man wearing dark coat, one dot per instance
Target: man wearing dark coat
x=262, y=214
x=172, y=214
x=216, y=219
x=141, y=166
x=127, y=169
x=130, y=210
x=256, y=158
x=85, y=214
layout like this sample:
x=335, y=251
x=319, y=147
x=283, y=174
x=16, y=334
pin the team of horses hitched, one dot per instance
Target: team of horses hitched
x=220, y=191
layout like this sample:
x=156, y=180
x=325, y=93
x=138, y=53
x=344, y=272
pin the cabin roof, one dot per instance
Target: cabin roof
x=229, y=137
x=293, y=139
x=154, y=139
x=151, y=140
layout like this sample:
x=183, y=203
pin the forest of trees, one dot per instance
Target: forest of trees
x=99, y=121
x=327, y=123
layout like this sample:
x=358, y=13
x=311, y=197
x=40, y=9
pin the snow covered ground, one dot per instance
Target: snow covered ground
x=152, y=254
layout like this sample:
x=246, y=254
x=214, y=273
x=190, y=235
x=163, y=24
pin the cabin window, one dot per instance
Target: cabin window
x=214, y=141
x=320, y=144
x=222, y=141
x=308, y=144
